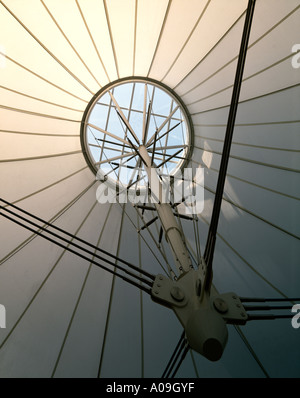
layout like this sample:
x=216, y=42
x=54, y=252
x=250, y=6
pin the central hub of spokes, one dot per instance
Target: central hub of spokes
x=130, y=112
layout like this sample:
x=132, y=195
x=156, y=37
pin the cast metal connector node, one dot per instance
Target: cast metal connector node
x=204, y=317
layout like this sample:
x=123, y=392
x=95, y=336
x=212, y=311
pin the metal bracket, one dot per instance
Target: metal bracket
x=230, y=307
x=168, y=293
x=203, y=315
x=188, y=288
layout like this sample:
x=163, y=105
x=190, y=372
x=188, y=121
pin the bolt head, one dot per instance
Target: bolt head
x=220, y=305
x=177, y=294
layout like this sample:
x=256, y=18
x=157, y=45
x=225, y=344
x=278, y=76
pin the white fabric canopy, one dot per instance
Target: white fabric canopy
x=68, y=318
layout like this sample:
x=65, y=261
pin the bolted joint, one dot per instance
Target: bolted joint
x=220, y=305
x=204, y=317
x=168, y=293
x=231, y=308
x=204, y=326
x=177, y=293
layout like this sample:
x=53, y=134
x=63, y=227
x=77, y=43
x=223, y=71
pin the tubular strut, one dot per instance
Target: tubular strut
x=201, y=310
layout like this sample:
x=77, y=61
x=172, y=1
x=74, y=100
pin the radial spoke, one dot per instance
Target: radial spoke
x=136, y=151
x=169, y=158
x=115, y=158
x=106, y=128
x=123, y=118
x=135, y=169
x=167, y=154
x=108, y=133
x=159, y=148
x=144, y=113
x=147, y=122
x=167, y=132
x=113, y=143
x=154, y=145
x=163, y=125
x=108, y=148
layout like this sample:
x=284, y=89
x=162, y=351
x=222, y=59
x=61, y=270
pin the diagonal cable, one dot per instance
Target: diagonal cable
x=67, y=248
x=211, y=239
x=41, y=228
x=177, y=357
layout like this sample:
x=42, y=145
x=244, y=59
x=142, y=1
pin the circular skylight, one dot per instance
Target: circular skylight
x=128, y=114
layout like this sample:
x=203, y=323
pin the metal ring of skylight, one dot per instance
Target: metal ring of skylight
x=126, y=114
